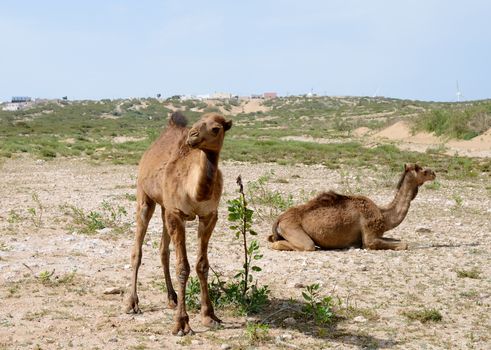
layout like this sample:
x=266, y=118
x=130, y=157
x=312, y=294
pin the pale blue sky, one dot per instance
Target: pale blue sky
x=107, y=49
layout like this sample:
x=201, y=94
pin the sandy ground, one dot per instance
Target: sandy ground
x=400, y=132
x=448, y=230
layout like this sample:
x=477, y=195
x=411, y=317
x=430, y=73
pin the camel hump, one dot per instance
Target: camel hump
x=330, y=198
x=178, y=119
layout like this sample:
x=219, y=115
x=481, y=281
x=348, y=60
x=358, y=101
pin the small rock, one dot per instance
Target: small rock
x=152, y=338
x=364, y=268
x=113, y=290
x=360, y=319
x=458, y=224
x=299, y=285
x=69, y=239
x=113, y=340
x=286, y=336
x=104, y=230
x=422, y=229
x=289, y=320
x=225, y=346
x=127, y=266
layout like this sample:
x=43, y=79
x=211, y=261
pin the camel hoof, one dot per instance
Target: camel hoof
x=403, y=246
x=133, y=310
x=171, y=304
x=183, y=332
x=172, y=300
x=211, y=321
x=181, y=327
x=132, y=306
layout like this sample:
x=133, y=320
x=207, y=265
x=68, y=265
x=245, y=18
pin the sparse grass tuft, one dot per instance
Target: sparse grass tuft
x=473, y=273
x=13, y=217
x=434, y=185
x=267, y=203
x=424, y=316
x=48, y=278
x=110, y=216
x=257, y=333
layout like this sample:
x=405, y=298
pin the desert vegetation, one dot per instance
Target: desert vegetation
x=68, y=183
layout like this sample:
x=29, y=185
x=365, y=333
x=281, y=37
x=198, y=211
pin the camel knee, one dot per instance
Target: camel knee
x=182, y=271
x=202, y=266
x=310, y=247
x=372, y=244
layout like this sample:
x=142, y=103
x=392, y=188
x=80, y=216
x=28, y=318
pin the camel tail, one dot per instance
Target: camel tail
x=276, y=235
x=178, y=119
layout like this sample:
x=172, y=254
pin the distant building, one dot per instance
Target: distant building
x=21, y=99
x=221, y=96
x=270, y=95
x=17, y=102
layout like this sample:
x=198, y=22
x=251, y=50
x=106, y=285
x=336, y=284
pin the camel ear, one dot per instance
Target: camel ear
x=227, y=125
x=408, y=166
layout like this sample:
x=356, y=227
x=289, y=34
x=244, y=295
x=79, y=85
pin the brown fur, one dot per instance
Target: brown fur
x=333, y=221
x=180, y=173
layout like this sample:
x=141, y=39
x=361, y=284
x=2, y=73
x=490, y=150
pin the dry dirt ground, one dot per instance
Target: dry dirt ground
x=448, y=231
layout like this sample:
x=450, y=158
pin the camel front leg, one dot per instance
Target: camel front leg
x=175, y=227
x=144, y=211
x=371, y=241
x=205, y=229
x=164, y=258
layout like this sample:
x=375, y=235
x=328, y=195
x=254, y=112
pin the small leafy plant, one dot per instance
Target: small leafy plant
x=458, y=200
x=251, y=298
x=36, y=213
x=242, y=291
x=321, y=308
x=257, y=332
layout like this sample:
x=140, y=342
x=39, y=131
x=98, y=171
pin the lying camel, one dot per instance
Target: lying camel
x=336, y=221
x=180, y=172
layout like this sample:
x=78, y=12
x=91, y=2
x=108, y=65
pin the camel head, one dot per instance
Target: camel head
x=207, y=133
x=420, y=175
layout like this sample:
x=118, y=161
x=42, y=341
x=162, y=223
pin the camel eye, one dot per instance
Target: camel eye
x=215, y=130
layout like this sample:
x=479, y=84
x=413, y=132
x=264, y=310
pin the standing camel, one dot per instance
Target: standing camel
x=180, y=172
x=335, y=221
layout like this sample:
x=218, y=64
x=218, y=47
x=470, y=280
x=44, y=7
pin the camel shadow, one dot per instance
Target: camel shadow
x=288, y=315
x=443, y=245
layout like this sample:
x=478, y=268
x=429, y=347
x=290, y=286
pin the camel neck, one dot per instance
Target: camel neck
x=208, y=167
x=397, y=210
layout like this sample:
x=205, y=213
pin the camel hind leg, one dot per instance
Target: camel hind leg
x=205, y=229
x=295, y=238
x=164, y=258
x=144, y=211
